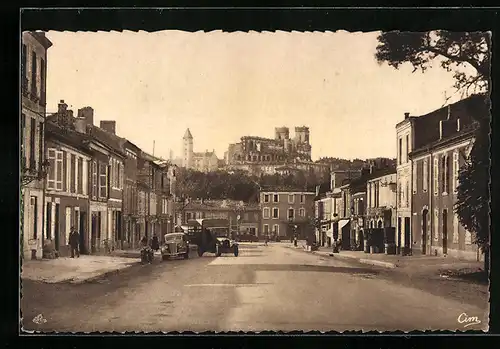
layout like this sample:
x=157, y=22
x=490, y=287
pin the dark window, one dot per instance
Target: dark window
x=291, y=213
x=48, y=220
x=275, y=213
x=33, y=74
x=32, y=143
x=407, y=147
x=80, y=176
x=24, y=63
x=65, y=171
x=34, y=208
x=73, y=174
x=400, y=150
x=23, y=128
x=40, y=144
x=42, y=82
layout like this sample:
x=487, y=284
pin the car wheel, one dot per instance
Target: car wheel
x=218, y=252
x=236, y=251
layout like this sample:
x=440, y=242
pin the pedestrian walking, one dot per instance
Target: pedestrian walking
x=295, y=241
x=74, y=240
x=267, y=239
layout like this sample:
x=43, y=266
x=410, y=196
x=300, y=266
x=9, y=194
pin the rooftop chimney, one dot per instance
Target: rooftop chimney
x=62, y=107
x=407, y=115
x=109, y=126
x=88, y=114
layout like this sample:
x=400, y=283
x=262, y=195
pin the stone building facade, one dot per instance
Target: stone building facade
x=285, y=212
x=436, y=165
x=34, y=48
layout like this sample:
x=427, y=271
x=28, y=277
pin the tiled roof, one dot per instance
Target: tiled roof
x=114, y=142
x=69, y=136
x=427, y=126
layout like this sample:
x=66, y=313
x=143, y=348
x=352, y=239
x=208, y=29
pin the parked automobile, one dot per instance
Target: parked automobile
x=247, y=238
x=175, y=245
x=213, y=235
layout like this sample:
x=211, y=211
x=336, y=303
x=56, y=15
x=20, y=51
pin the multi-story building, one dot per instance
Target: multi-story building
x=33, y=167
x=204, y=162
x=130, y=197
x=164, y=198
x=146, y=169
x=381, y=200
x=106, y=134
x=436, y=164
x=285, y=212
x=415, y=132
x=66, y=195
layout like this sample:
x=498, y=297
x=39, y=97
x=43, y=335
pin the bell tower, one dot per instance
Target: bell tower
x=187, y=150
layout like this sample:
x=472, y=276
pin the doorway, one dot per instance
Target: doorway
x=407, y=235
x=83, y=234
x=399, y=233
x=445, y=232
x=424, y=231
x=56, y=228
x=93, y=232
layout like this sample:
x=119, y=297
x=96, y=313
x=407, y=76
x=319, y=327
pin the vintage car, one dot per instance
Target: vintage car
x=175, y=245
x=212, y=235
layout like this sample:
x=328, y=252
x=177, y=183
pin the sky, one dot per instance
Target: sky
x=223, y=86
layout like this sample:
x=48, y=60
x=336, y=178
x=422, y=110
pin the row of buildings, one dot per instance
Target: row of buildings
x=414, y=200
x=279, y=213
x=75, y=174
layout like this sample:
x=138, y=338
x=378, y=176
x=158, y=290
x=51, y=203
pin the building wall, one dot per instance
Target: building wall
x=404, y=181
x=381, y=195
x=303, y=210
x=31, y=135
x=437, y=200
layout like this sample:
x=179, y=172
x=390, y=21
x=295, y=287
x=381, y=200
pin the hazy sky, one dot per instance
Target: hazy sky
x=227, y=85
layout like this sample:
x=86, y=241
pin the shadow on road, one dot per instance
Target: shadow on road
x=305, y=268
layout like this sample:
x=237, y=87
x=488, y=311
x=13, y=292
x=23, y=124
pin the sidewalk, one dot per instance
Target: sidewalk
x=417, y=263
x=74, y=270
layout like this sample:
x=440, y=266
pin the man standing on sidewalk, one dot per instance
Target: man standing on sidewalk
x=74, y=238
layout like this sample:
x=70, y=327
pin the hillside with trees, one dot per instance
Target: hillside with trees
x=238, y=185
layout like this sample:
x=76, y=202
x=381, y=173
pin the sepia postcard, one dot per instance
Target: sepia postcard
x=254, y=181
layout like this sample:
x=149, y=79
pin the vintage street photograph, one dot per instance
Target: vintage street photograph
x=254, y=181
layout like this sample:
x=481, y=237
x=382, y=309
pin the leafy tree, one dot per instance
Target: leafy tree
x=455, y=52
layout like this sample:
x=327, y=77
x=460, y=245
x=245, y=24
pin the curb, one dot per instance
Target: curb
x=377, y=263
x=104, y=275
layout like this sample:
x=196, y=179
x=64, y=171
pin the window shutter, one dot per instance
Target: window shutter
x=51, y=178
x=59, y=170
x=436, y=176
x=456, y=168
x=425, y=177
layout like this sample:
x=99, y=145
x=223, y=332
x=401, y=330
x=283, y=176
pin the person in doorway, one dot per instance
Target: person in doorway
x=155, y=244
x=74, y=240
